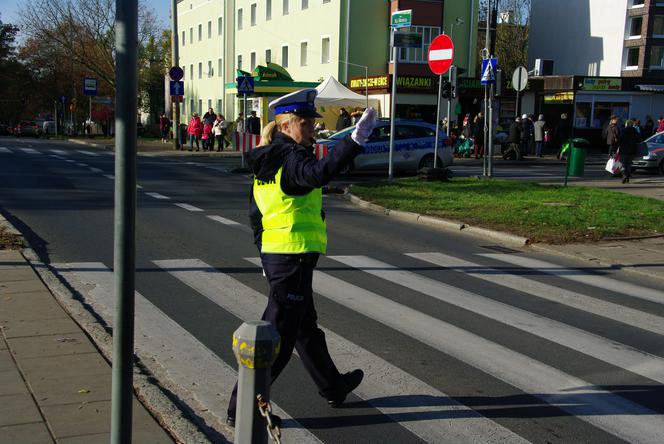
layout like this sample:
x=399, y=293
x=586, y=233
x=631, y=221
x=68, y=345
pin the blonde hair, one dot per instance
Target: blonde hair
x=268, y=131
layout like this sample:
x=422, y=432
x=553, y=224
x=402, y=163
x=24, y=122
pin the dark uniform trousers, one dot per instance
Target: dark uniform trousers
x=290, y=309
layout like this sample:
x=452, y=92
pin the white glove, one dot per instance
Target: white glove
x=364, y=127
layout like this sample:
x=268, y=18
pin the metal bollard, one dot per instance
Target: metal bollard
x=255, y=345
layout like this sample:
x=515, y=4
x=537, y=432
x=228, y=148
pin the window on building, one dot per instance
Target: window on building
x=637, y=3
x=209, y=29
x=303, y=53
x=191, y=35
x=191, y=106
x=191, y=71
x=657, y=57
x=635, y=25
x=268, y=10
x=632, y=57
x=268, y=56
x=219, y=106
x=220, y=67
x=253, y=14
x=326, y=1
x=418, y=55
x=325, y=50
x=285, y=7
x=658, y=26
x=184, y=34
x=200, y=70
x=184, y=72
x=239, y=19
x=305, y=4
x=200, y=106
x=200, y=32
x=209, y=104
x=220, y=26
x=252, y=59
x=284, y=56
x=239, y=62
x=210, y=72
x=582, y=114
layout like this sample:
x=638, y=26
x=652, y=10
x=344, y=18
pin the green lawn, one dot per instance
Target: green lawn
x=544, y=213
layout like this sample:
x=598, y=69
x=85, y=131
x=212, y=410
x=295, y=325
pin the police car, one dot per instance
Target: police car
x=413, y=146
x=651, y=154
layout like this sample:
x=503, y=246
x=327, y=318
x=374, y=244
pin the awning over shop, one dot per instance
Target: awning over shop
x=651, y=88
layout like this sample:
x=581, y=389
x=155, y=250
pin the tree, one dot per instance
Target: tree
x=510, y=39
x=15, y=78
x=84, y=30
x=157, y=58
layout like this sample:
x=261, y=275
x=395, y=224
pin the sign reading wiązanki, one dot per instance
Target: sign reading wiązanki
x=404, y=83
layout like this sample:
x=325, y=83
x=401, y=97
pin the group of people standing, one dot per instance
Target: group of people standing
x=623, y=140
x=208, y=130
x=528, y=136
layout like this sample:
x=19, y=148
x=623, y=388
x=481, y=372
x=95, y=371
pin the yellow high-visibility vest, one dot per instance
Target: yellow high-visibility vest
x=291, y=224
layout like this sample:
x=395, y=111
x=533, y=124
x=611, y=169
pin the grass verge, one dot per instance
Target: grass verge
x=543, y=213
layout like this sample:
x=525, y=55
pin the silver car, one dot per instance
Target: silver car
x=651, y=154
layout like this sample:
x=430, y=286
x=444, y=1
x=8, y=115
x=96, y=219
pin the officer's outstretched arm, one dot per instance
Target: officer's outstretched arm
x=308, y=172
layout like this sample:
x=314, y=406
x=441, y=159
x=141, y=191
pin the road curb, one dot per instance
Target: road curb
x=445, y=224
x=166, y=412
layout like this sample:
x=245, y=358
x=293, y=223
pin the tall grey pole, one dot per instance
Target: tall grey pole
x=487, y=122
x=393, y=109
x=518, y=85
x=486, y=130
x=449, y=105
x=55, y=118
x=366, y=84
x=126, y=78
x=175, y=61
x=255, y=345
x=435, y=145
x=488, y=143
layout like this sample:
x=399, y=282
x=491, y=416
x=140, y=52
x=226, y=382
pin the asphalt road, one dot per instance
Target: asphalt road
x=461, y=340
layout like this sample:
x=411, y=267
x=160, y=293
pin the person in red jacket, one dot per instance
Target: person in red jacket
x=195, y=131
x=208, y=141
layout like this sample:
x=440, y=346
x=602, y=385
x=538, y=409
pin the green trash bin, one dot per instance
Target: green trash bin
x=577, y=157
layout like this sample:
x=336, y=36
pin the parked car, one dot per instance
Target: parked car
x=413, y=146
x=5, y=129
x=27, y=128
x=651, y=154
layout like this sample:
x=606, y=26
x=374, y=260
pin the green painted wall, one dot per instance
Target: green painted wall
x=465, y=35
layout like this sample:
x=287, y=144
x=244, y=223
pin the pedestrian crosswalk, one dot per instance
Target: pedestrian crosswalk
x=33, y=151
x=372, y=289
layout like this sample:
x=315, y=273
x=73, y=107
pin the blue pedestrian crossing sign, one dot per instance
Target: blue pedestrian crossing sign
x=489, y=67
x=245, y=85
x=177, y=88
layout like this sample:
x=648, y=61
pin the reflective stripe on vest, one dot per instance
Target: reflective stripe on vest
x=291, y=224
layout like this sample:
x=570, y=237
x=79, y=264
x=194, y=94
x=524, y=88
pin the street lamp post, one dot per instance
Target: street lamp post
x=458, y=21
x=366, y=78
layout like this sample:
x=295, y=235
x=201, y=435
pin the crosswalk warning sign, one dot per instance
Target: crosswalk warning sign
x=245, y=85
x=489, y=67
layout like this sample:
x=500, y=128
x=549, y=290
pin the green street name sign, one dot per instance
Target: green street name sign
x=402, y=19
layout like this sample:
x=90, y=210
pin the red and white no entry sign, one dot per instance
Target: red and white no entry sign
x=441, y=54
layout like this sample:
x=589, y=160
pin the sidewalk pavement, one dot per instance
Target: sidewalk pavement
x=55, y=386
x=156, y=148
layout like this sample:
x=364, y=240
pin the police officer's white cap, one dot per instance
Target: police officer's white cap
x=300, y=103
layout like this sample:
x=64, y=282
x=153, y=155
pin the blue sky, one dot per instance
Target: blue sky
x=9, y=10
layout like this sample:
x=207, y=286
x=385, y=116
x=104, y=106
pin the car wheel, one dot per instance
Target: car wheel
x=427, y=162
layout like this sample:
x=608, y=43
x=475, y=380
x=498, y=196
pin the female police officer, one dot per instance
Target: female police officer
x=289, y=227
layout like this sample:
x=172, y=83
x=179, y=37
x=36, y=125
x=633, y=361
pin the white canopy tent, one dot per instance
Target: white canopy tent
x=333, y=93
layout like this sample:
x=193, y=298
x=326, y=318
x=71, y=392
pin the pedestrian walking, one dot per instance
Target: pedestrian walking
x=254, y=123
x=195, y=131
x=355, y=116
x=539, y=130
x=343, y=121
x=164, y=127
x=478, y=135
x=209, y=116
x=629, y=143
x=289, y=230
x=563, y=134
x=613, y=135
x=648, y=127
x=513, y=150
x=240, y=123
x=526, y=134
x=218, y=131
x=208, y=140
x=660, y=124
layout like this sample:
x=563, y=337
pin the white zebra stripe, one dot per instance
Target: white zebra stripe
x=589, y=403
x=59, y=152
x=599, y=307
x=5, y=150
x=158, y=196
x=158, y=337
x=96, y=170
x=30, y=151
x=614, y=285
x=223, y=220
x=598, y=347
x=188, y=207
x=109, y=176
x=88, y=153
x=382, y=379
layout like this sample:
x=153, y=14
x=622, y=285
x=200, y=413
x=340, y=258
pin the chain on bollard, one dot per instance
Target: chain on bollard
x=265, y=410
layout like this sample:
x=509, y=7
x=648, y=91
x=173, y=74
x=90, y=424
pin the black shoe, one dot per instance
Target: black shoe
x=276, y=421
x=351, y=381
x=625, y=180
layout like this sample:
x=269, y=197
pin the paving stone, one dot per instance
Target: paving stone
x=35, y=433
x=13, y=274
x=72, y=389
x=21, y=286
x=51, y=345
x=11, y=383
x=3, y=344
x=29, y=306
x=6, y=361
x=11, y=256
x=63, y=366
x=18, y=409
x=16, y=328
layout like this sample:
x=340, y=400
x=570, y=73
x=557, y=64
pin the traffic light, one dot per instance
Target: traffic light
x=446, y=90
x=453, y=81
x=500, y=83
